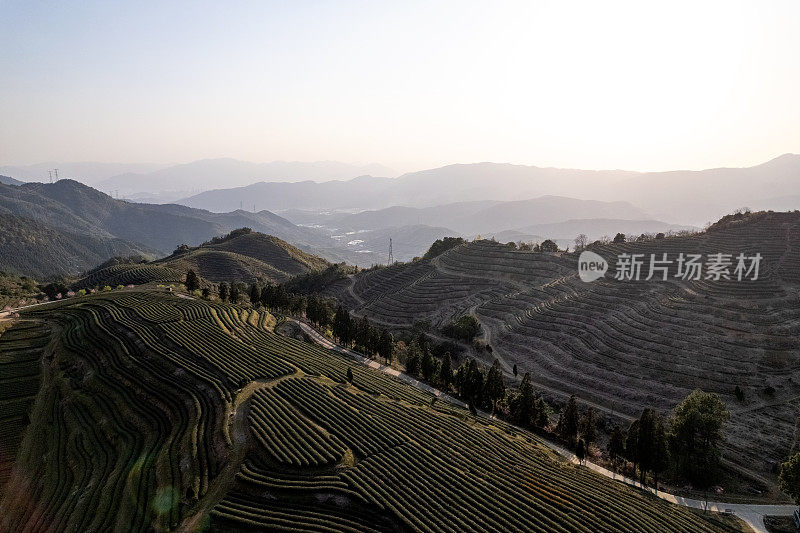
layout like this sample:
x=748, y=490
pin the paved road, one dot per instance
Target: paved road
x=753, y=514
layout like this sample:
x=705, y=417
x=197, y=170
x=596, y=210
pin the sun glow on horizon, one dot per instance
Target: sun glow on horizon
x=632, y=85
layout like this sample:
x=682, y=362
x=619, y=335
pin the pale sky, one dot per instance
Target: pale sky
x=634, y=85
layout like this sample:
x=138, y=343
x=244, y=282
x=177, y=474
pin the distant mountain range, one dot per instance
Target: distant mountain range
x=546, y=217
x=490, y=216
x=683, y=197
x=88, y=172
x=161, y=183
x=87, y=227
x=212, y=173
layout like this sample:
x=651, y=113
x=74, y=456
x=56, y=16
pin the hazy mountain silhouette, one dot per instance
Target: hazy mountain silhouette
x=469, y=218
x=683, y=197
x=214, y=173
x=695, y=197
x=87, y=172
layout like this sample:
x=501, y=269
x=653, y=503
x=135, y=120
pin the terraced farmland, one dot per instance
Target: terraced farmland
x=151, y=412
x=626, y=345
x=127, y=274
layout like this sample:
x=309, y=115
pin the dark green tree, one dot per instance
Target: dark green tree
x=342, y=326
x=427, y=364
x=569, y=420
x=541, y=413
x=386, y=346
x=646, y=443
x=523, y=408
x=548, y=246
x=224, y=291
x=413, y=361
x=255, y=294
x=192, y=281
x=789, y=477
x=588, y=427
x=235, y=293
x=661, y=458
x=619, y=238
x=495, y=386
x=349, y=375
x=580, y=451
x=446, y=372
x=515, y=370
x=632, y=444
x=697, y=432
x=616, y=445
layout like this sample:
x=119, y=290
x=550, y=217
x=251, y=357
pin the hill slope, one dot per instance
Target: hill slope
x=156, y=412
x=626, y=345
x=33, y=249
x=244, y=256
x=7, y=180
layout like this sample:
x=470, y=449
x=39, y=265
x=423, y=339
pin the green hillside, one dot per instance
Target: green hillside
x=34, y=249
x=153, y=412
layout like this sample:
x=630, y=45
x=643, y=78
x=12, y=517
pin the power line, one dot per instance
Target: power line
x=391, y=254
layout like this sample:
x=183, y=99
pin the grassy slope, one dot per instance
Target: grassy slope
x=129, y=431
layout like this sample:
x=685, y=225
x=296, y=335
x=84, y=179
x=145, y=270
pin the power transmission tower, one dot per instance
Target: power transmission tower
x=50, y=172
x=56, y=171
x=391, y=254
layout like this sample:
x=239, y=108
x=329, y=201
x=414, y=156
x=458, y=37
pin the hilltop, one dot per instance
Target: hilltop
x=137, y=410
x=624, y=345
x=246, y=256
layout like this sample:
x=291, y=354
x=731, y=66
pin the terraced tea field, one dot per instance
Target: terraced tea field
x=625, y=345
x=152, y=412
x=127, y=274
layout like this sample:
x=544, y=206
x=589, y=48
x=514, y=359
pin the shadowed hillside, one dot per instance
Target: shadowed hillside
x=626, y=345
x=33, y=249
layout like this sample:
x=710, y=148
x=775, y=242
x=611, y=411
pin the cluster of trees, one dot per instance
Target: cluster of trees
x=645, y=445
x=790, y=477
x=689, y=441
x=465, y=328
x=440, y=246
x=362, y=335
x=547, y=245
x=580, y=431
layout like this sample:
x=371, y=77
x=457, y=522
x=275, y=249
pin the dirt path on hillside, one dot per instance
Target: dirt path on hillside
x=238, y=430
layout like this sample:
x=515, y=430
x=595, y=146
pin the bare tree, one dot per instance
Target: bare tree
x=580, y=242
